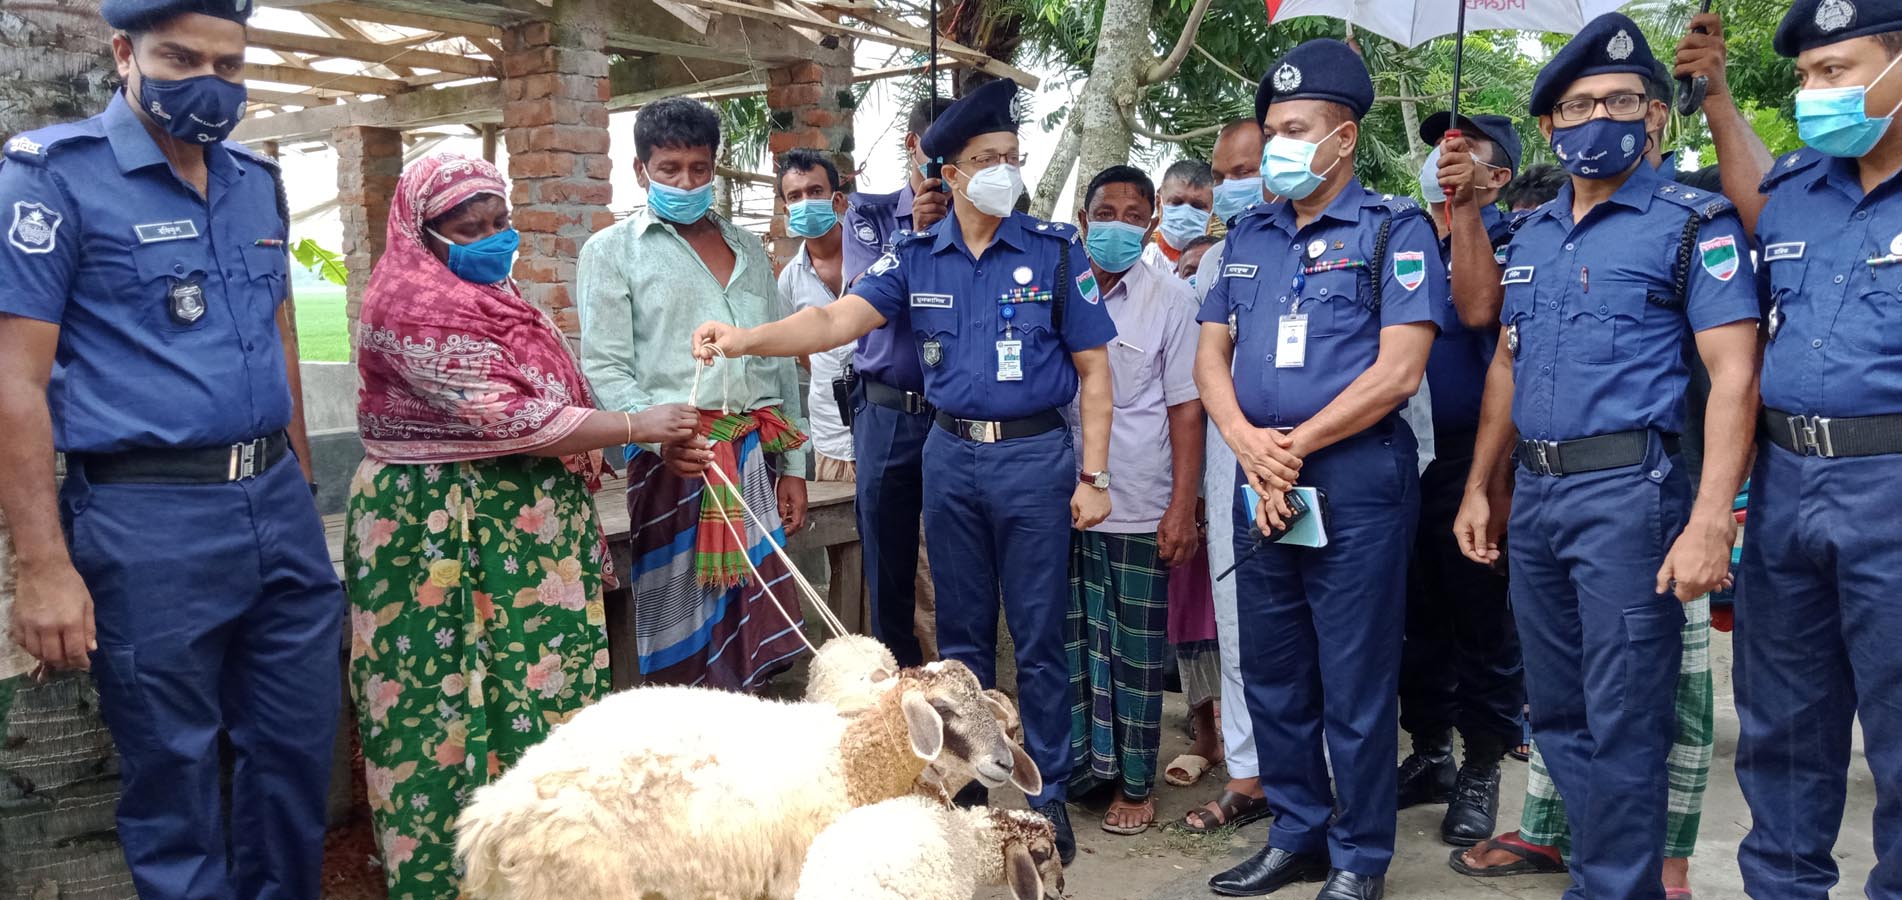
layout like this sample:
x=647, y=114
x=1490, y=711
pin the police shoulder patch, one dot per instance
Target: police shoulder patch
x=35, y=227
x=884, y=264
x=865, y=233
x=1719, y=256
x=1086, y=286
x=1409, y=268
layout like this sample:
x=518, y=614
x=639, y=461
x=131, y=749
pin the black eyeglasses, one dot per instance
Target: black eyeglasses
x=1624, y=105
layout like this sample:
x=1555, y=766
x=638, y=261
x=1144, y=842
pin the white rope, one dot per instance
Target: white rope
x=826, y=616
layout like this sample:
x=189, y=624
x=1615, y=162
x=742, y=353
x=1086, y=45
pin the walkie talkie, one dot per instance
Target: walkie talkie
x=1691, y=91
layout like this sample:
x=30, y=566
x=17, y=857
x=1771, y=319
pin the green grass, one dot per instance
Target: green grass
x=323, y=333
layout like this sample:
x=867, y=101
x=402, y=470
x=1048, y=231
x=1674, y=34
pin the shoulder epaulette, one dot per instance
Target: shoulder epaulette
x=250, y=154
x=38, y=145
x=1060, y=230
x=1801, y=159
x=1707, y=204
x=906, y=236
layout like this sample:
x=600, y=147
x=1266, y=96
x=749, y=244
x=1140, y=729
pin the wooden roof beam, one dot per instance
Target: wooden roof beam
x=896, y=32
x=355, y=84
x=470, y=103
x=380, y=15
x=287, y=98
x=368, y=51
x=335, y=27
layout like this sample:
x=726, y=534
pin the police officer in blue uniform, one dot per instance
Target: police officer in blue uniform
x=1817, y=617
x=1009, y=327
x=1316, y=332
x=1460, y=665
x=142, y=333
x=890, y=418
x=1604, y=290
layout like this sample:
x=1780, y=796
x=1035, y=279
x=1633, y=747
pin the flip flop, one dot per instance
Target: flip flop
x=1195, y=765
x=1532, y=860
x=1149, y=804
x=1232, y=810
x=1677, y=894
x=1523, y=752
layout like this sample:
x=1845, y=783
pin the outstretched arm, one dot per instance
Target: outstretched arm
x=803, y=333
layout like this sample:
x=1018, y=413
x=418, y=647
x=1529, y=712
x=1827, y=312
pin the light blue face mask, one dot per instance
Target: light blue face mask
x=1235, y=196
x=1287, y=165
x=1182, y=223
x=486, y=261
x=1836, y=121
x=1115, y=246
x=1430, y=179
x=681, y=207
x=811, y=218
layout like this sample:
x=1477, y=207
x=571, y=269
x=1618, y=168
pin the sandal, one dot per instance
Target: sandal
x=1232, y=810
x=1124, y=804
x=1682, y=893
x=1523, y=752
x=1192, y=766
x=1533, y=860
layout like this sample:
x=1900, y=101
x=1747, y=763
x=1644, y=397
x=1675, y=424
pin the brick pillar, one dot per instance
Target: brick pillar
x=368, y=163
x=809, y=104
x=555, y=124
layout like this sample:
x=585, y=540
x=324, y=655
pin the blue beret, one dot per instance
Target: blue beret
x=1814, y=23
x=1610, y=43
x=982, y=111
x=1323, y=69
x=136, y=14
x=1497, y=129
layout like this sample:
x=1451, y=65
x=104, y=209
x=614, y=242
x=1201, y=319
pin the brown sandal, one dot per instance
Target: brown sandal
x=1232, y=810
x=1147, y=805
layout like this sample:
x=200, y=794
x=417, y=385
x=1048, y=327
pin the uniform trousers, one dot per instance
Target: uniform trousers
x=1320, y=650
x=997, y=519
x=217, y=610
x=1819, y=619
x=1602, y=651
x=888, y=446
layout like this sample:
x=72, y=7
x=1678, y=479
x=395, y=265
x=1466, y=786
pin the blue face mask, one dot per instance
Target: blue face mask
x=1430, y=179
x=1182, y=223
x=198, y=110
x=1287, y=165
x=811, y=218
x=1599, y=148
x=1836, y=122
x=1115, y=246
x=486, y=261
x=678, y=206
x=1236, y=195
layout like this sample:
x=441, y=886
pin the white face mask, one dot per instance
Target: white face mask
x=994, y=191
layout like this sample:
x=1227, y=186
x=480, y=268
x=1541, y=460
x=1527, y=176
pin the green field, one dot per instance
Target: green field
x=323, y=333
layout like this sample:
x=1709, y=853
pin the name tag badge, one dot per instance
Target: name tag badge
x=166, y=231
x=1238, y=270
x=1789, y=250
x=1010, y=360
x=1291, y=342
x=1517, y=275
x=931, y=301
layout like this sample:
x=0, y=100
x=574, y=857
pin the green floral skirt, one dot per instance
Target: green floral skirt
x=476, y=625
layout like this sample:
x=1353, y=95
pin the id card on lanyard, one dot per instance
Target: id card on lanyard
x=1010, y=360
x=1291, y=341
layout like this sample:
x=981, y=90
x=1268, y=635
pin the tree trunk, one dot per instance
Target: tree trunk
x=1410, y=118
x=1062, y=160
x=1123, y=53
x=59, y=775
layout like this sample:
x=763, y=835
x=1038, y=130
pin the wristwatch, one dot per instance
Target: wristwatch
x=1098, y=480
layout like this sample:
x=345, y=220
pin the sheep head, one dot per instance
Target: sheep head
x=949, y=775
x=851, y=673
x=1032, y=868
x=946, y=722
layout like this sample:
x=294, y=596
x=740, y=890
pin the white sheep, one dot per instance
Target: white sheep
x=912, y=848
x=850, y=672
x=698, y=794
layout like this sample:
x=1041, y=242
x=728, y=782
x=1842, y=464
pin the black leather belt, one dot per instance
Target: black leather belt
x=992, y=432
x=207, y=465
x=1592, y=454
x=1828, y=438
x=892, y=398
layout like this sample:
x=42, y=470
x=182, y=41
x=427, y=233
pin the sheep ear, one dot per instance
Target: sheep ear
x=924, y=724
x=1020, y=870
x=881, y=675
x=999, y=708
x=1023, y=772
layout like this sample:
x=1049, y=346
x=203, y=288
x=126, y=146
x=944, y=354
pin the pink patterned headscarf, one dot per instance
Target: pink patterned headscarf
x=454, y=370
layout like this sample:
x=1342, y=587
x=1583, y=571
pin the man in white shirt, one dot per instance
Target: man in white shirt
x=809, y=185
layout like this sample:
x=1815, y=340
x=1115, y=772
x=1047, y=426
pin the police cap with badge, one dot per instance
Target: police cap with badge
x=1609, y=44
x=138, y=14
x=1323, y=69
x=1497, y=129
x=983, y=111
x=1815, y=23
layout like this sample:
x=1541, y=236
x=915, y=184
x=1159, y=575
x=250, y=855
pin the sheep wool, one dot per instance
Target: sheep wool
x=913, y=848
x=850, y=672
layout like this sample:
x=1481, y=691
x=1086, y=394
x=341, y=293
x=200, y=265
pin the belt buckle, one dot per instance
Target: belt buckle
x=914, y=403
x=244, y=461
x=1544, y=455
x=982, y=432
x=1811, y=434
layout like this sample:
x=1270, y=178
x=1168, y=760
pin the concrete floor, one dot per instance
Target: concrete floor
x=1164, y=865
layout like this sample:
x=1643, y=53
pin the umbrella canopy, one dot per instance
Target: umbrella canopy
x=1414, y=22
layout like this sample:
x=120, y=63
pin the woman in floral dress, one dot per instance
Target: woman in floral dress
x=474, y=563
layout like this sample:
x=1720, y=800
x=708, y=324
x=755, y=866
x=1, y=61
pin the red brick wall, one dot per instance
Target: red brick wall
x=369, y=160
x=810, y=105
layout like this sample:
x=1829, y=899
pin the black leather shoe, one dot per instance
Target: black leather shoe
x=1345, y=885
x=1475, y=807
x=1427, y=775
x=972, y=796
x=1268, y=871
x=1058, y=813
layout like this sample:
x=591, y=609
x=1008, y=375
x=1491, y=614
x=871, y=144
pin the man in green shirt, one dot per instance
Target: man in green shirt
x=702, y=615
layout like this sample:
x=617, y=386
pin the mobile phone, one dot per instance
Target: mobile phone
x=935, y=170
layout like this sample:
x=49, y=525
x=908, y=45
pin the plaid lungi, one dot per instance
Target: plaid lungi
x=1688, y=766
x=1115, y=638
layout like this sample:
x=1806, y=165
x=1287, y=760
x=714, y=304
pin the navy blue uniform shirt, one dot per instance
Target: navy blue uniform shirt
x=1592, y=354
x=166, y=301
x=1836, y=342
x=1327, y=269
x=872, y=221
x=1456, y=372
x=959, y=307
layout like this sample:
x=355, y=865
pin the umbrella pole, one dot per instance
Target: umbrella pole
x=1459, y=58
